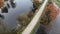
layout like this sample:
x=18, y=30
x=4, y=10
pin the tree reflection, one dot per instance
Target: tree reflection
x=8, y=5
x=5, y=10
x=1, y=16
x=12, y=3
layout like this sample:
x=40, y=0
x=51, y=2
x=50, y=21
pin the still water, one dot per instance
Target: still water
x=22, y=6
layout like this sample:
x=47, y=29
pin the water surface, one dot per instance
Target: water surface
x=22, y=6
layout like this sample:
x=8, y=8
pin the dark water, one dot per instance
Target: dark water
x=22, y=6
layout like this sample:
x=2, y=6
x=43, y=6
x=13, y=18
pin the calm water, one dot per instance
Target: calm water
x=22, y=6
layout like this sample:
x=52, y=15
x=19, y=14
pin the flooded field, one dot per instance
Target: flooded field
x=14, y=8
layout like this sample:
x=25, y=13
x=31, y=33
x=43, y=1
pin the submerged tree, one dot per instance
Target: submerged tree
x=22, y=23
x=30, y=14
x=23, y=20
